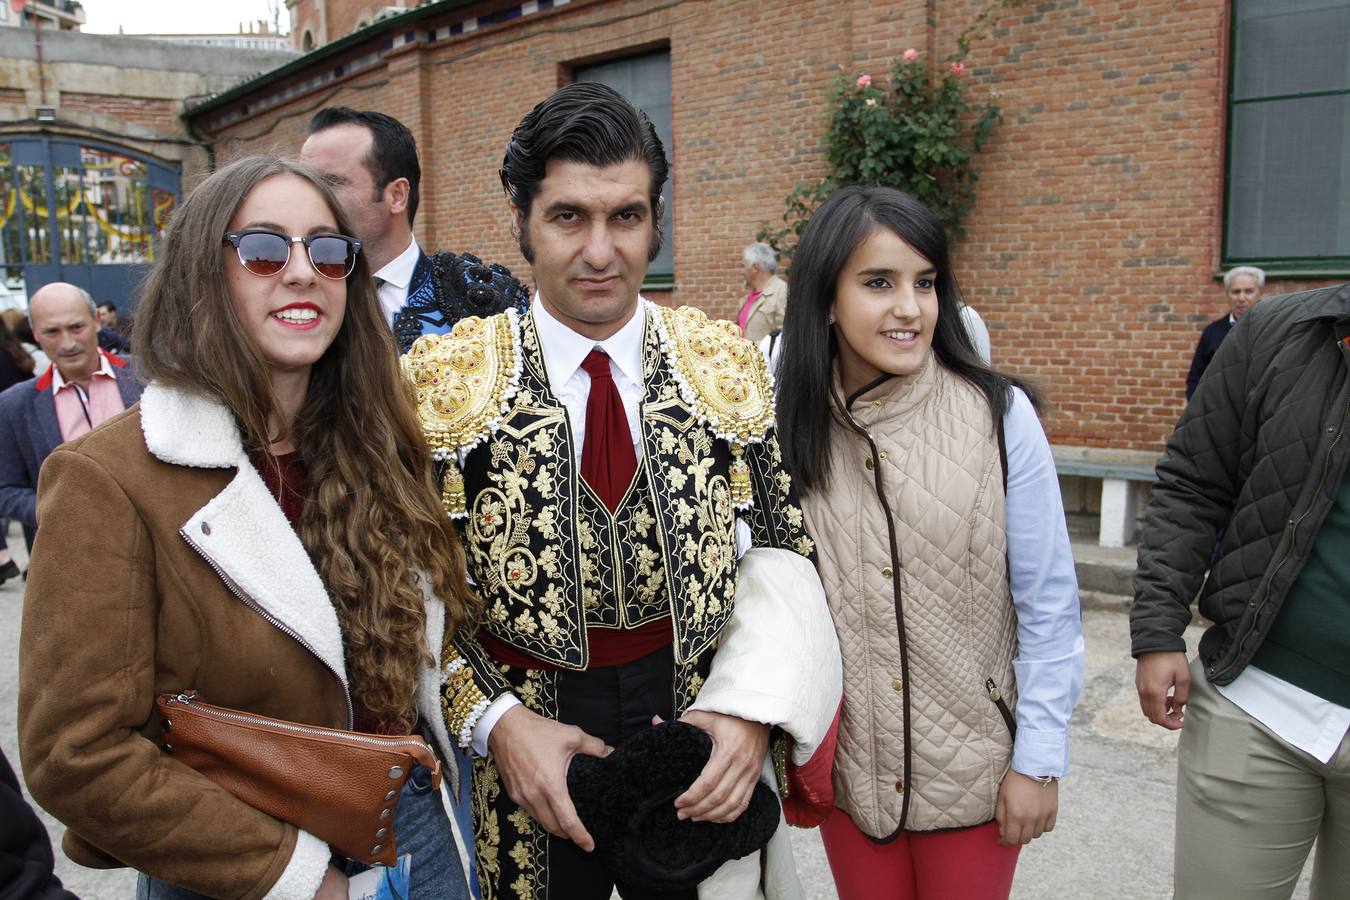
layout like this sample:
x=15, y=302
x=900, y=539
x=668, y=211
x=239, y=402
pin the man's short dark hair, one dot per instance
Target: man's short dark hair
x=393, y=150
x=588, y=123
x=108, y=306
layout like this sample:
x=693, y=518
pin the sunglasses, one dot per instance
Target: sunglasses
x=266, y=253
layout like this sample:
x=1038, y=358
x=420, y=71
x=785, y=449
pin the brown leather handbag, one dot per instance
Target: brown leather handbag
x=340, y=786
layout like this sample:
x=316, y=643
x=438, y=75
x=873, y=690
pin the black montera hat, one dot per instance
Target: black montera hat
x=627, y=803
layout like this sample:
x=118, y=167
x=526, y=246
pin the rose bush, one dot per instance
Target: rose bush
x=920, y=134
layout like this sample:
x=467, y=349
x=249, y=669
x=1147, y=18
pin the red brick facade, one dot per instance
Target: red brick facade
x=1092, y=250
x=161, y=115
x=328, y=20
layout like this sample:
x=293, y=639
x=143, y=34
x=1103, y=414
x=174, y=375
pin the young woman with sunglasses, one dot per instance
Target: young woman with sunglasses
x=262, y=528
x=929, y=487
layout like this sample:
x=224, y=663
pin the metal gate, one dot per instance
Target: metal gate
x=83, y=212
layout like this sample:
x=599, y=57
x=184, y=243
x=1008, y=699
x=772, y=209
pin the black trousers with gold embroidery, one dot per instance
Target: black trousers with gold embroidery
x=610, y=703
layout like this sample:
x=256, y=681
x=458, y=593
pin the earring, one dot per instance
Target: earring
x=831, y=321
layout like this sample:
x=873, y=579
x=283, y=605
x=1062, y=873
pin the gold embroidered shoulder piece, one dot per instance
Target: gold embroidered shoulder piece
x=462, y=385
x=725, y=380
x=721, y=374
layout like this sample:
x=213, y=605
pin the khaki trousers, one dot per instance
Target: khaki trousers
x=1250, y=805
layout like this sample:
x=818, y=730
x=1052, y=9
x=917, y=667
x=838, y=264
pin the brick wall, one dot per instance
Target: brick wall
x=161, y=115
x=342, y=16
x=1093, y=247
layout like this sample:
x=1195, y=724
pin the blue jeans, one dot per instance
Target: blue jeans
x=423, y=830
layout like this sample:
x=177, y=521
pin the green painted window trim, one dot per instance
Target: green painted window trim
x=1282, y=267
x=1290, y=269
x=659, y=281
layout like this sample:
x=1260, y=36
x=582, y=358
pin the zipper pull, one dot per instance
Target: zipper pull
x=992, y=689
x=185, y=696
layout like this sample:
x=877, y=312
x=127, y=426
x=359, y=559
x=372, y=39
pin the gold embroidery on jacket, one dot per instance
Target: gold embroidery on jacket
x=461, y=383
x=487, y=788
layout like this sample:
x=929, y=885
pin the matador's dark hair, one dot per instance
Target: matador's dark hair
x=587, y=123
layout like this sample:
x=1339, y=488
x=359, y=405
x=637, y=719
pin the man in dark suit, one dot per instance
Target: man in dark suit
x=370, y=160
x=83, y=387
x=1243, y=286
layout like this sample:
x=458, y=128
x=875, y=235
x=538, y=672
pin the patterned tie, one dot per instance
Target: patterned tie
x=607, y=459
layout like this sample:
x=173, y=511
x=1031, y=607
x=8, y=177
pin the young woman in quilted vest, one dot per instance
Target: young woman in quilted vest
x=948, y=571
x=261, y=528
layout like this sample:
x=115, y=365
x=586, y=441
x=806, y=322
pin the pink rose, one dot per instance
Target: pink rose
x=958, y=68
x=910, y=55
x=864, y=80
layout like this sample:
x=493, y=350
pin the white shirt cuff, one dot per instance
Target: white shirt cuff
x=1041, y=753
x=483, y=727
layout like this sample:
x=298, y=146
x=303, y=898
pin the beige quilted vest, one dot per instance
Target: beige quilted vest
x=922, y=744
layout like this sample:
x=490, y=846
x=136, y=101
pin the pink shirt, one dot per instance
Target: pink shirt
x=80, y=410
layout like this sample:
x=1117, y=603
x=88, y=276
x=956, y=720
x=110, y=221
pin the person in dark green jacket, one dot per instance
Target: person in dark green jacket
x=1260, y=457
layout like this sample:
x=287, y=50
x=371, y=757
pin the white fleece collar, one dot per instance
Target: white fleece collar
x=189, y=429
x=242, y=532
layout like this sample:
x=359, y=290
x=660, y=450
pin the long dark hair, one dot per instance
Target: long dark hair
x=13, y=347
x=372, y=520
x=805, y=373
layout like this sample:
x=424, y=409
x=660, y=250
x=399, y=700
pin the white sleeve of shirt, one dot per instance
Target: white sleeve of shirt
x=978, y=331
x=488, y=720
x=1049, y=663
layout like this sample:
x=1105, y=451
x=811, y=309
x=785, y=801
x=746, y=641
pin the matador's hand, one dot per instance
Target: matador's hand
x=533, y=753
x=722, y=790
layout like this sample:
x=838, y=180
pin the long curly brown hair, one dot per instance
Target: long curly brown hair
x=372, y=520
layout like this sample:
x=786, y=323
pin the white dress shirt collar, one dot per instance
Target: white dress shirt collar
x=564, y=349
x=399, y=270
x=391, y=282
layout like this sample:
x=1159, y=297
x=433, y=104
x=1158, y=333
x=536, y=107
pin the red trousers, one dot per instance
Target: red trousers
x=964, y=863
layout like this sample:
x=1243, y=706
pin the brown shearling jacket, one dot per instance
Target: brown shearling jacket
x=163, y=564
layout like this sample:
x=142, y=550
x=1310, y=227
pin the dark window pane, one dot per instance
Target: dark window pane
x=1291, y=47
x=1289, y=195
x=645, y=82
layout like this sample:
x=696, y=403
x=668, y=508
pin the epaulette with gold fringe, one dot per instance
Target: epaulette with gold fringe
x=463, y=383
x=724, y=379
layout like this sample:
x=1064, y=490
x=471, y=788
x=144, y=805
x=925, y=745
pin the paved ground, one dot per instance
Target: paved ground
x=1113, y=840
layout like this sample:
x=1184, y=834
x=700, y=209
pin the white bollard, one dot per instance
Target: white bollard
x=1119, y=502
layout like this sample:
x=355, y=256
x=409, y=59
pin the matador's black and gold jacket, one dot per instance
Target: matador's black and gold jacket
x=547, y=558
x=550, y=561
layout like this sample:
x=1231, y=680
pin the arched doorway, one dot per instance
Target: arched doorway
x=81, y=211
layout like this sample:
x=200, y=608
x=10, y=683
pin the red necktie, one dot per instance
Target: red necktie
x=607, y=459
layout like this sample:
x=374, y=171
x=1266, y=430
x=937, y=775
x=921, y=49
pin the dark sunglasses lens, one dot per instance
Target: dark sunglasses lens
x=332, y=256
x=264, y=254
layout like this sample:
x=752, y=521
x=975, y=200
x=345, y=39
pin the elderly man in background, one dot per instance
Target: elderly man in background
x=762, y=311
x=1243, y=286
x=82, y=388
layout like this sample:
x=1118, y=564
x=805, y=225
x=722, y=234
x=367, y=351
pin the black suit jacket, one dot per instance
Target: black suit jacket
x=1210, y=339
